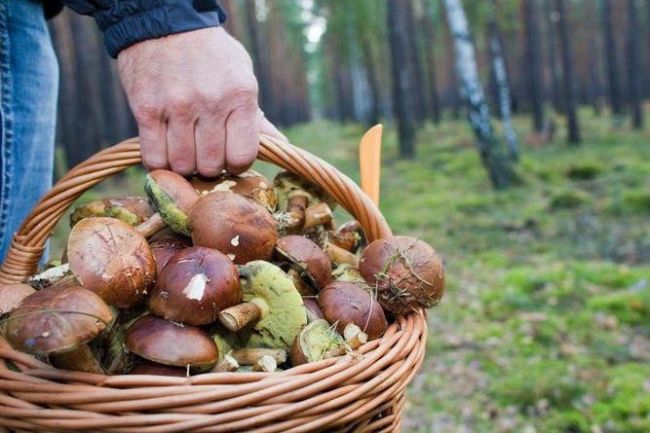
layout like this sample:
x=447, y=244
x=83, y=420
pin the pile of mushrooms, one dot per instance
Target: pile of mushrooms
x=228, y=274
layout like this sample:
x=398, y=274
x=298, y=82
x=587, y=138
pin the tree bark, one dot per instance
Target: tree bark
x=402, y=67
x=610, y=58
x=567, y=73
x=534, y=77
x=551, y=46
x=259, y=55
x=492, y=152
x=502, y=86
x=633, y=65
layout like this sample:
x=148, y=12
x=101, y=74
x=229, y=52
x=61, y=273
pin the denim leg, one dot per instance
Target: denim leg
x=28, y=93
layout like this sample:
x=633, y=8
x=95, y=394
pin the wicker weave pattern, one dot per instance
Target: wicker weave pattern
x=362, y=392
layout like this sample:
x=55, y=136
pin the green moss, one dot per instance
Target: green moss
x=585, y=170
x=569, y=199
x=629, y=306
x=637, y=200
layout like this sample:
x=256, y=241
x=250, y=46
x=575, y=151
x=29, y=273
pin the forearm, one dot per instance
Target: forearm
x=128, y=22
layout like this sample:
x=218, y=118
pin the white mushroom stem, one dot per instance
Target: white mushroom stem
x=341, y=256
x=266, y=364
x=318, y=214
x=236, y=317
x=354, y=336
x=251, y=356
x=226, y=364
x=151, y=226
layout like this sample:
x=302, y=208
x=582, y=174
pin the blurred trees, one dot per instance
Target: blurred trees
x=393, y=60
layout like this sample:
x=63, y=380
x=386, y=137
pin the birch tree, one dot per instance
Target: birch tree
x=492, y=152
x=502, y=86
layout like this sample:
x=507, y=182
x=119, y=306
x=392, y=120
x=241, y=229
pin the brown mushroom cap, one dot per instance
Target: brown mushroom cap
x=132, y=210
x=168, y=343
x=57, y=319
x=195, y=286
x=307, y=256
x=112, y=259
x=344, y=302
x=235, y=225
x=165, y=244
x=11, y=295
x=250, y=184
x=179, y=189
x=406, y=272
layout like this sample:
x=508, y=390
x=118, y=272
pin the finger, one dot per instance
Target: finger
x=210, y=133
x=153, y=141
x=242, y=138
x=180, y=145
x=266, y=127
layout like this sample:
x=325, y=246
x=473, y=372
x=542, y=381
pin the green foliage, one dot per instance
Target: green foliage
x=585, y=170
x=629, y=306
x=566, y=422
x=569, y=199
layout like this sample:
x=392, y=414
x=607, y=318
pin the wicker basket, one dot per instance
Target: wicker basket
x=363, y=392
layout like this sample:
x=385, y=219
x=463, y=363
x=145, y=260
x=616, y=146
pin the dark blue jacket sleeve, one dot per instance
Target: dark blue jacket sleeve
x=126, y=22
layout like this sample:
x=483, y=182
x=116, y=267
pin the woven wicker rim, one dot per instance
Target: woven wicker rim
x=359, y=392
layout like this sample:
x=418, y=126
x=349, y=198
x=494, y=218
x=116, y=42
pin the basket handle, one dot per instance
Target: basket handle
x=28, y=243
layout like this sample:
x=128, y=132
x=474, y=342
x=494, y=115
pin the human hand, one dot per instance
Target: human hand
x=194, y=98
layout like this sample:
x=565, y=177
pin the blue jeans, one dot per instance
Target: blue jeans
x=28, y=92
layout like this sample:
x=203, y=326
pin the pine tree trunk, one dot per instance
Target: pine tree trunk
x=610, y=58
x=534, y=76
x=503, y=88
x=493, y=154
x=633, y=65
x=430, y=60
x=567, y=73
x=259, y=55
x=402, y=67
x=553, y=66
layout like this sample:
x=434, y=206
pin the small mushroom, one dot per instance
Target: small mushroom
x=406, y=272
x=11, y=295
x=340, y=256
x=348, y=236
x=301, y=286
x=195, y=286
x=317, y=341
x=226, y=364
x=305, y=255
x=354, y=336
x=172, y=196
x=272, y=306
x=170, y=343
x=318, y=214
x=112, y=259
x=57, y=319
x=165, y=244
x=132, y=210
x=250, y=184
x=152, y=368
x=235, y=225
x=266, y=364
x=346, y=272
x=345, y=302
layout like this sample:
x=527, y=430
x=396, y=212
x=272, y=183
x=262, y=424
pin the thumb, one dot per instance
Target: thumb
x=266, y=127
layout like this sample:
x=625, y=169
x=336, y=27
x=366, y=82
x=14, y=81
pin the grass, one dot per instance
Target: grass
x=545, y=326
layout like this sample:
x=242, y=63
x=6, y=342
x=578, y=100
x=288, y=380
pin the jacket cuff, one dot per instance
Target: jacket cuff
x=168, y=17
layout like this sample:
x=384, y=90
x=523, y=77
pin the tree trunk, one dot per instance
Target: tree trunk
x=492, y=152
x=610, y=58
x=259, y=55
x=503, y=89
x=553, y=64
x=567, y=73
x=428, y=30
x=534, y=77
x=402, y=67
x=633, y=65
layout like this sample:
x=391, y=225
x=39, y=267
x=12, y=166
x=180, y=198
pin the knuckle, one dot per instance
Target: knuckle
x=180, y=105
x=147, y=114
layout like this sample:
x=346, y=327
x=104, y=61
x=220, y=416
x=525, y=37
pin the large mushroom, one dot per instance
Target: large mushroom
x=235, y=225
x=344, y=302
x=317, y=341
x=195, y=286
x=112, y=259
x=250, y=184
x=305, y=256
x=272, y=306
x=172, y=196
x=169, y=343
x=132, y=210
x=56, y=320
x=406, y=272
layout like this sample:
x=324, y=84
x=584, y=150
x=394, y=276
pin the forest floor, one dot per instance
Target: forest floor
x=545, y=326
